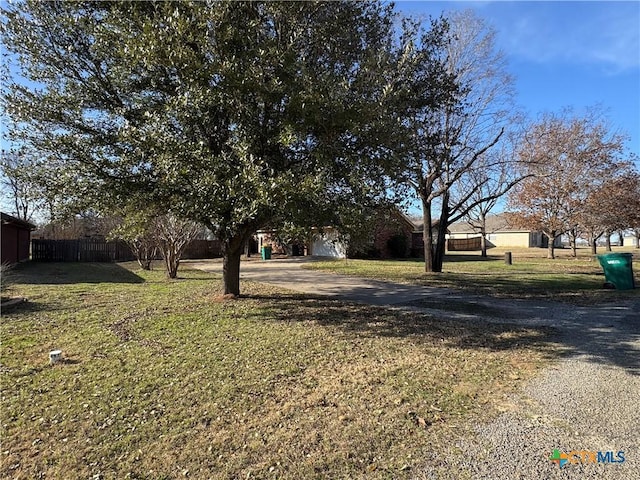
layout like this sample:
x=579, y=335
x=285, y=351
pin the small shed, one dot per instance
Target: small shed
x=16, y=239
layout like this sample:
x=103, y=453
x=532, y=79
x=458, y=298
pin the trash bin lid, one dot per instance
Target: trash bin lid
x=615, y=258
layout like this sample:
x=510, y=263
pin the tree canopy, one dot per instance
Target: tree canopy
x=231, y=114
x=569, y=158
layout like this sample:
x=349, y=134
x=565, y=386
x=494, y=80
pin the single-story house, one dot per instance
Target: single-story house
x=391, y=235
x=501, y=233
x=16, y=239
x=630, y=239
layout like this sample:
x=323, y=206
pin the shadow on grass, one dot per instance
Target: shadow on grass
x=521, y=284
x=27, y=307
x=448, y=258
x=608, y=335
x=372, y=321
x=41, y=273
x=470, y=258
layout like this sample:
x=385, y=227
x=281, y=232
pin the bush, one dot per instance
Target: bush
x=363, y=253
x=397, y=246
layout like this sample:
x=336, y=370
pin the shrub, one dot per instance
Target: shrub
x=397, y=245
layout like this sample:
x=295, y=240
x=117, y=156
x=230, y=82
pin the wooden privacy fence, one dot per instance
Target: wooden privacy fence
x=91, y=250
x=463, y=244
x=81, y=250
x=203, y=249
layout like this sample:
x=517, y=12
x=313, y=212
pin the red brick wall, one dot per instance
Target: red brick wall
x=388, y=226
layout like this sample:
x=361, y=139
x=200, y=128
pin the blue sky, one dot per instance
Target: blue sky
x=564, y=54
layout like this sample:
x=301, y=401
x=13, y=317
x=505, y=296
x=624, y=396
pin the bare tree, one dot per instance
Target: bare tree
x=148, y=233
x=173, y=234
x=136, y=228
x=612, y=207
x=567, y=156
x=450, y=140
x=480, y=190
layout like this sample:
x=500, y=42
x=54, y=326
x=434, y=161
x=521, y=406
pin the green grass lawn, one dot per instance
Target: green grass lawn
x=162, y=379
x=532, y=275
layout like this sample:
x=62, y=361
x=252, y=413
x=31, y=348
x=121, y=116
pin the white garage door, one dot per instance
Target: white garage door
x=326, y=245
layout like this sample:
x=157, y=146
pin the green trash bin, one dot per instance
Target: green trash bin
x=618, y=270
x=266, y=253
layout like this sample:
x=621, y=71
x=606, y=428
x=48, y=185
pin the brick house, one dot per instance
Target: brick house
x=391, y=235
x=390, y=226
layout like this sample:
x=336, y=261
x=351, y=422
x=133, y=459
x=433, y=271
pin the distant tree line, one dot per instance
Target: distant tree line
x=579, y=181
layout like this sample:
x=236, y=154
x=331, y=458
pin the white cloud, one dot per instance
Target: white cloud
x=603, y=33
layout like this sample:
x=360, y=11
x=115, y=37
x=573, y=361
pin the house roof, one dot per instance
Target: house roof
x=406, y=218
x=418, y=226
x=11, y=220
x=494, y=223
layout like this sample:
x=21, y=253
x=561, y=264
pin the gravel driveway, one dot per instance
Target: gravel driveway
x=589, y=401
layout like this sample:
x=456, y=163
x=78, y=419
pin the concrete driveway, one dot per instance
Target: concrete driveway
x=288, y=273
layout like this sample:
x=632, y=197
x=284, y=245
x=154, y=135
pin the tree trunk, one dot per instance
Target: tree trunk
x=171, y=259
x=427, y=236
x=607, y=239
x=143, y=260
x=621, y=237
x=594, y=247
x=440, y=247
x=551, y=253
x=483, y=235
x=439, y=250
x=145, y=264
x=573, y=239
x=144, y=254
x=232, y=250
x=637, y=239
x=483, y=244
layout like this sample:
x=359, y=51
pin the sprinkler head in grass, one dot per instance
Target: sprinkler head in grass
x=55, y=356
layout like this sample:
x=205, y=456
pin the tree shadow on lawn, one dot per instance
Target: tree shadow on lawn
x=373, y=321
x=525, y=284
x=609, y=338
x=27, y=307
x=54, y=273
x=447, y=259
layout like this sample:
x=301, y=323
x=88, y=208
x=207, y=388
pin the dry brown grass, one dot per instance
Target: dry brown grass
x=164, y=380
